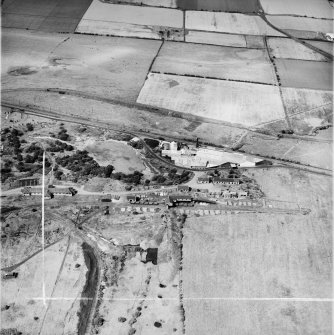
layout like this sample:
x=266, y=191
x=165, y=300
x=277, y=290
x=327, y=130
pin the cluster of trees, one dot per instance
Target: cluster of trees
x=172, y=177
x=58, y=146
x=81, y=163
x=132, y=178
x=151, y=142
x=62, y=135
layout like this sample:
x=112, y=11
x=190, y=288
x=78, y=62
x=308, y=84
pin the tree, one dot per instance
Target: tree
x=108, y=171
x=30, y=127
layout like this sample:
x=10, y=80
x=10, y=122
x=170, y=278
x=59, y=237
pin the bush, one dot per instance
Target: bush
x=30, y=127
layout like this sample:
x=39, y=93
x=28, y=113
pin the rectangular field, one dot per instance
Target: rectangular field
x=122, y=20
x=287, y=48
x=301, y=23
x=216, y=38
x=228, y=23
x=311, y=8
x=227, y=101
x=44, y=15
x=305, y=74
x=232, y=262
x=242, y=64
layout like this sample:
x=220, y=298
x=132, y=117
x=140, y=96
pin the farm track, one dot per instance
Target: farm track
x=105, y=125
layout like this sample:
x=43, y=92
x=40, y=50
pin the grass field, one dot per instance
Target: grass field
x=233, y=102
x=215, y=62
x=305, y=74
x=109, y=67
x=262, y=256
x=228, y=23
x=310, y=8
x=215, y=38
x=44, y=15
x=287, y=48
x=326, y=46
x=122, y=20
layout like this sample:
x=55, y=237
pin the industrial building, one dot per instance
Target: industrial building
x=225, y=181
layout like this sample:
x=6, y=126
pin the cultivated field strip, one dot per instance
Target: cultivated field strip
x=253, y=65
x=311, y=8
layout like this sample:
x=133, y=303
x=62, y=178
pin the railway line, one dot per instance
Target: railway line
x=34, y=110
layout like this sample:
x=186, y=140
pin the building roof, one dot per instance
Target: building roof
x=180, y=198
x=204, y=178
x=225, y=179
x=183, y=187
x=60, y=190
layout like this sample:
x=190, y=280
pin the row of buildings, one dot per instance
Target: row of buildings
x=218, y=180
x=49, y=192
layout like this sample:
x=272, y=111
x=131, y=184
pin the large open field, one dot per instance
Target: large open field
x=288, y=48
x=305, y=74
x=217, y=99
x=215, y=62
x=121, y=20
x=310, y=8
x=228, y=23
x=109, y=67
x=231, y=263
x=44, y=15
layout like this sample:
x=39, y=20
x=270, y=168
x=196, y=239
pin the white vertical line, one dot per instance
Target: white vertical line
x=43, y=254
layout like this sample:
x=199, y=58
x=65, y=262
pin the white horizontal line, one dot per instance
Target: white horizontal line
x=194, y=299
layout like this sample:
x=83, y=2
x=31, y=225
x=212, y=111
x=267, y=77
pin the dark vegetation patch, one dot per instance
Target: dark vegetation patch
x=21, y=71
x=238, y=6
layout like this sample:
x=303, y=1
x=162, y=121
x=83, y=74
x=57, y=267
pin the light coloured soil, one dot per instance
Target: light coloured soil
x=262, y=256
x=301, y=23
x=233, y=23
x=62, y=280
x=233, y=102
x=109, y=67
x=253, y=65
x=305, y=74
x=311, y=8
x=215, y=38
x=122, y=20
x=287, y=48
